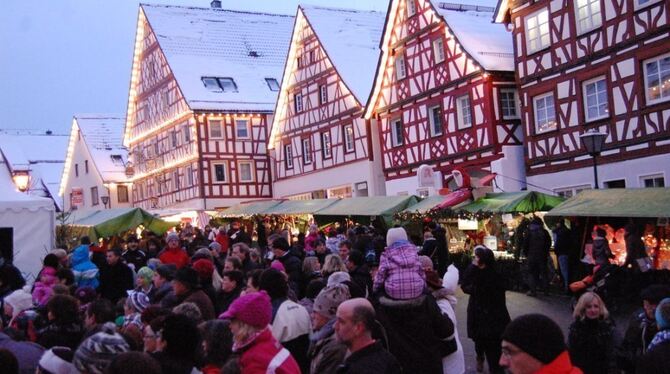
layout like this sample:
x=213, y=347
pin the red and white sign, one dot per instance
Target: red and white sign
x=77, y=197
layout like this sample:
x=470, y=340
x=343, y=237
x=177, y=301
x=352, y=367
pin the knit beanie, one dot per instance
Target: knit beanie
x=537, y=335
x=662, y=320
x=172, y=236
x=395, y=234
x=57, y=360
x=253, y=309
x=167, y=271
x=215, y=246
x=188, y=277
x=96, y=352
x=204, y=268
x=329, y=299
x=138, y=300
x=19, y=300
x=146, y=274
x=338, y=277
x=277, y=265
x=85, y=294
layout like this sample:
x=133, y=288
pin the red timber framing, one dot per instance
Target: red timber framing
x=612, y=45
x=442, y=82
x=326, y=122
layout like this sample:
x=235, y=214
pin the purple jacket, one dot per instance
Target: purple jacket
x=400, y=272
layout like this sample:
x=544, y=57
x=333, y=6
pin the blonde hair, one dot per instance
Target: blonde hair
x=309, y=265
x=584, y=300
x=244, y=332
x=333, y=263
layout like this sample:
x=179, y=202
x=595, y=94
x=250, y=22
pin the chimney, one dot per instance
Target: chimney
x=216, y=4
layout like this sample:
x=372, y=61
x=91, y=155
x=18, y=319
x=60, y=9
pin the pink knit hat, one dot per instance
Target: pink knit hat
x=277, y=265
x=253, y=309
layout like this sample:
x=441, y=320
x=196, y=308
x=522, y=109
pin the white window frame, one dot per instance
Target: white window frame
x=400, y=67
x=411, y=8
x=431, y=120
x=323, y=94
x=349, y=145
x=288, y=156
x=225, y=171
x=394, y=132
x=297, y=102
x=541, y=36
x=326, y=145
x=646, y=4
x=573, y=190
x=464, y=112
x=307, y=158
x=585, y=96
x=251, y=171
x=273, y=84
x=438, y=50
x=515, y=99
x=220, y=124
x=553, y=113
x=645, y=67
x=594, y=19
x=652, y=177
x=247, y=128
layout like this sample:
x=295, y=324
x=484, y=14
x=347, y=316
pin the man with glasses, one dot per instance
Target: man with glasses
x=534, y=344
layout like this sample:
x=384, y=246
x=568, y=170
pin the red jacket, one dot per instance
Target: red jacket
x=560, y=365
x=178, y=257
x=264, y=353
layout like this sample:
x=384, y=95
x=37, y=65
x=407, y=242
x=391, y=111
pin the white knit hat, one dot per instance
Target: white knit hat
x=338, y=277
x=57, y=361
x=395, y=234
x=19, y=300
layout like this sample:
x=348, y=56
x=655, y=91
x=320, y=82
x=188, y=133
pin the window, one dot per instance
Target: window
x=86, y=166
x=177, y=181
x=94, y=196
x=219, y=172
x=306, y=151
x=537, y=31
x=272, y=84
x=288, y=156
x=187, y=134
x=349, y=138
x=117, y=160
x=211, y=84
x=189, y=176
x=312, y=57
x=657, y=79
x=411, y=8
x=567, y=192
x=400, y=71
x=595, y=99
x=545, y=115
x=464, y=112
x=300, y=60
x=644, y=3
x=508, y=103
x=245, y=171
x=652, y=181
x=325, y=145
x=323, y=94
x=121, y=193
x=173, y=136
x=215, y=129
x=619, y=183
x=220, y=84
x=397, y=133
x=242, y=129
x=438, y=50
x=588, y=15
x=298, y=102
x=76, y=170
x=435, y=120
x=228, y=84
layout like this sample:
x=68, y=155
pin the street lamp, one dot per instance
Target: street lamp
x=105, y=200
x=593, y=141
x=21, y=179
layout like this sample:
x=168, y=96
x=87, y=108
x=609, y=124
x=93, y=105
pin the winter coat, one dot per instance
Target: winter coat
x=310, y=242
x=163, y=296
x=224, y=299
x=333, y=244
x=200, y=298
x=86, y=274
x=115, y=281
x=64, y=335
x=137, y=257
x=487, y=310
x=591, y=345
x=634, y=250
x=326, y=353
x=560, y=365
x=638, y=335
x=446, y=301
x=416, y=331
x=43, y=288
x=373, y=359
x=173, y=365
x=10, y=278
x=656, y=360
x=291, y=326
x=361, y=276
x=400, y=272
x=264, y=350
x=293, y=268
x=27, y=354
x=562, y=241
x=601, y=251
x=538, y=244
x=176, y=256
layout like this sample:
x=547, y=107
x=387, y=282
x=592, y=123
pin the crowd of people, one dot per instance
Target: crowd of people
x=340, y=301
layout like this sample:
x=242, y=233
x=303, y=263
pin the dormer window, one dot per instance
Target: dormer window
x=272, y=83
x=220, y=84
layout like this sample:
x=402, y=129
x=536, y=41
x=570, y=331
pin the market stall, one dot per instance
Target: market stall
x=110, y=222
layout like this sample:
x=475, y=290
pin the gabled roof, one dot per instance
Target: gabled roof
x=207, y=42
x=351, y=41
x=471, y=21
x=103, y=136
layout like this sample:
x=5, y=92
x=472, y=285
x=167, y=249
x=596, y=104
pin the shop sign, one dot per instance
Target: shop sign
x=77, y=197
x=425, y=175
x=467, y=224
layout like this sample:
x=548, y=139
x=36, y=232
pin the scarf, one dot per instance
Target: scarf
x=660, y=338
x=324, y=332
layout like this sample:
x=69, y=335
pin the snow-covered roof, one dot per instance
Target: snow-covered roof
x=471, y=21
x=207, y=42
x=103, y=135
x=351, y=41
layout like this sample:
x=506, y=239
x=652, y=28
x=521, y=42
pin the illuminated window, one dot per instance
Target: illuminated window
x=657, y=79
x=595, y=99
x=545, y=114
x=537, y=31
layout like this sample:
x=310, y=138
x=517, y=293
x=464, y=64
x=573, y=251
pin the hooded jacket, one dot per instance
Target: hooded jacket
x=86, y=274
x=400, y=272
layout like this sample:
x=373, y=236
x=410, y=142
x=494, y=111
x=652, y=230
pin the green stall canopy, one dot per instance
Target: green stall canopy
x=629, y=202
x=109, y=222
x=368, y=206
x=425, y=205
x=514, y=202
x=250, y=208
x=295, y=207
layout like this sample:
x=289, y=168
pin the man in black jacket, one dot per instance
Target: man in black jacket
x=115, y=278
x=292, y=264
x=359, y=272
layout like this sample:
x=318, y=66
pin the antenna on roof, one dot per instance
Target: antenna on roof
x=215, y=4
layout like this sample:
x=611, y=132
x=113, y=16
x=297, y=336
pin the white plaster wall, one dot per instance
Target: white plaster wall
x=510, y=169
x=630, y=170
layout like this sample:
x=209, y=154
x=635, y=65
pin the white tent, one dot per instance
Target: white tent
x=31, y=220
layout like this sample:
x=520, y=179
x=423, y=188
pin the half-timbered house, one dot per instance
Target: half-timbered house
x=203, y=88
x=445, y=96
x=593, y=65
x=322, y=145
